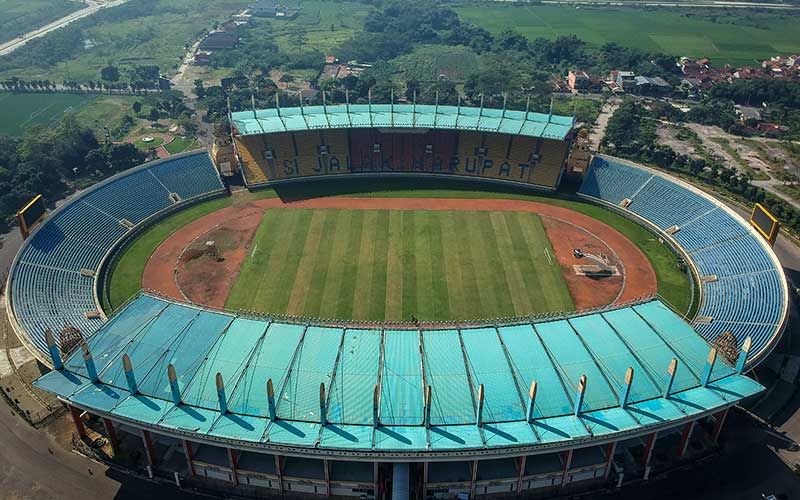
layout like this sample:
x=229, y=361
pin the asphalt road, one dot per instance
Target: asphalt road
x=32, y=465
x=92, y=7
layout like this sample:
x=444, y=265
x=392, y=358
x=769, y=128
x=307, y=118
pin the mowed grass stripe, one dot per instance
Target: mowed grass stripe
x=409, y=263
x=279, y=275
x=457, y=292
x=351, y=262
x=323, y=259
x=494, y=265
x=385, y=222
x=528, y=265
x=555, y=292
x=424, y=263
x=511, y=269
x=246, y=289
x=439, y=289
x=305, y=269
x=473, y=299
x=392, y=223
x=364, y=261
x=336, y=274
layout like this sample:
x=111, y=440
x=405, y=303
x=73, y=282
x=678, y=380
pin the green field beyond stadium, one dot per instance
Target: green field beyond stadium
x=21, y=111
x=392, y=265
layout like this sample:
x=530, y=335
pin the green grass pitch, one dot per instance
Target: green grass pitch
x=21, y=111
x=392, y=264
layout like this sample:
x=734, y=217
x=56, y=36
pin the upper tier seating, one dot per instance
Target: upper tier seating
x=48, y=289
x=747, y=298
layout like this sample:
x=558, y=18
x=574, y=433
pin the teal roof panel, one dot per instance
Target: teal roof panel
x=351, y=391
x=681, y=337
x=489, y=366
x=313, y=364
x=348, y=437
x=531, y=362
x=186, y=354
x=401, y=379
x=229, y=357
x=455, y=437
x=271, y=360
x=573, y=360
x=453, y=399
x=402, y=116
x=615, y=357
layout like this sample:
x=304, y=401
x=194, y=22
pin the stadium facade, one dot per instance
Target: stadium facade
x=539, y=405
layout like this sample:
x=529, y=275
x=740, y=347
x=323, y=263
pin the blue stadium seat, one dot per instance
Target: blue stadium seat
x=747, y=298
x=47, y=288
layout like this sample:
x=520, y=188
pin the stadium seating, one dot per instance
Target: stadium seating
x=47, y=285
x=504, y=157
x=747, y=298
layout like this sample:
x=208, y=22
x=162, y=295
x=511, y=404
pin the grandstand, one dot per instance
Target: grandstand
x=299, y=143
x=743, y=290
x=53, y=276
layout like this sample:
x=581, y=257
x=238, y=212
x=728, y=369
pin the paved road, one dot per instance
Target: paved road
x=28, y=469
x=92, y=7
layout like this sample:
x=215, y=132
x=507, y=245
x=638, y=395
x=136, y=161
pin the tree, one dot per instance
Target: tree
x=110, y=73
x=137, y=107
x=154, y=115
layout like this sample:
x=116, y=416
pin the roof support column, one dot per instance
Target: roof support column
x=521, y=465
x=187, y=452
x=112, y=434
x=685, y=436
x=718, y=423
x=474, y=478
x=375, y=479
x=648, y=453
x=149, y=451
x=279, y=471
x=567, y=464
x=77, y=420
x=424, y=480
x=611, y=448
x=327, y=465
x=232, y=460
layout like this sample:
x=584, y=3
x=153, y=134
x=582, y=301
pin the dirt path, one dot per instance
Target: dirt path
x=179, y=268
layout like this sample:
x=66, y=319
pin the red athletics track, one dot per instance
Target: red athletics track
x=169, y=274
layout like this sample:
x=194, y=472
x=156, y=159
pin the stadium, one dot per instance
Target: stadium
x=513, y=338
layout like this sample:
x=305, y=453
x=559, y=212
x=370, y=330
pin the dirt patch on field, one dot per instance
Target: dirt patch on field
x=586, y=291
x=205, y=281
x=205, y=276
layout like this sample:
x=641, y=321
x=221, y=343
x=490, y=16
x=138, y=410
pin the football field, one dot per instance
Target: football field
x=387, y=265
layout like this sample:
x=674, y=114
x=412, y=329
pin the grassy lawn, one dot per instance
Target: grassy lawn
x=21, y=111
x=738, y=38
x=392, y=264
x=21, y=16
x=181, y=144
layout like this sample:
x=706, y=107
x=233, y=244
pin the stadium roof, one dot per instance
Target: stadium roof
x=402, y=116
x=206, y=347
